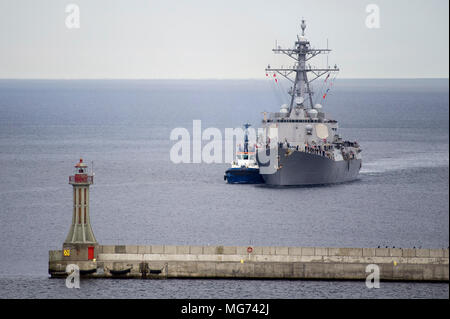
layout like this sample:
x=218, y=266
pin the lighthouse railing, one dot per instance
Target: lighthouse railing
x=81, y=178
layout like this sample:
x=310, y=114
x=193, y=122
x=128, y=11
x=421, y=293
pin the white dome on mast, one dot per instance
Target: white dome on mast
x=284, y=108
x=299, y=100
x=312, y=113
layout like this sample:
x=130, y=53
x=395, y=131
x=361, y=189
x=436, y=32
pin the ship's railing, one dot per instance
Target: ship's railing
x=288, y=120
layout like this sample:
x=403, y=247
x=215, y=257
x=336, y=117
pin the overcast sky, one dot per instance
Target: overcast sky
x=218, y=39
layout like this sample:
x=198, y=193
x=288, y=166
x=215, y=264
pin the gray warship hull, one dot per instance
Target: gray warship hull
x=300, y=168
x=301, y=143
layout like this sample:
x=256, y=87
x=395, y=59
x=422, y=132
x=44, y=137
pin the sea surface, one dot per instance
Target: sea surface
x=141, y=197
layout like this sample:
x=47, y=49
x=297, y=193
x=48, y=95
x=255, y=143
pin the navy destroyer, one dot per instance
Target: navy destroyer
x=300, y=144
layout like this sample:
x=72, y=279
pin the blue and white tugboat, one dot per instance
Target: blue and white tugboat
x=245, y=169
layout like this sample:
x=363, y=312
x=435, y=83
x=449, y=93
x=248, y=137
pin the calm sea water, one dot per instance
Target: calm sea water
x=141, y=197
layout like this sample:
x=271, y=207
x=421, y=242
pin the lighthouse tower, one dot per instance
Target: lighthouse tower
x=80, y=231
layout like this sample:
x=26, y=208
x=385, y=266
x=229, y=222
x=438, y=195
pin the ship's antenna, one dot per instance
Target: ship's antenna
x=328, y=65
x=246, y=126
x=297, y=74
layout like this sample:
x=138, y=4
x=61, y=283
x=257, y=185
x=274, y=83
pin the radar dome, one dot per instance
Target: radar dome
x=318, y=107
x=312, y=113
x=284, y=108
x=299, y=100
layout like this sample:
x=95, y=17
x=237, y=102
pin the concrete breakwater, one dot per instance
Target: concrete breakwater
x=102, y=261
x=158, y=261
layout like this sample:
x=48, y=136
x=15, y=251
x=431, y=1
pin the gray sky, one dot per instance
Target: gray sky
x=218, y=39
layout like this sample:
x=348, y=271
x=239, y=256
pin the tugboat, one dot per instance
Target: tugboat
x=245, y=169
x=301, y=144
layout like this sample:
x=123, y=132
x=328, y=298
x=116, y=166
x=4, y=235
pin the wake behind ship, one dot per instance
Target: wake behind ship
x=300, y=144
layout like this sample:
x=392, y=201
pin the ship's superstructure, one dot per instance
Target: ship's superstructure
x=303, y=140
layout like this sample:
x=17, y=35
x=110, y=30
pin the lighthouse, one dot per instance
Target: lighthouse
x=81, y=238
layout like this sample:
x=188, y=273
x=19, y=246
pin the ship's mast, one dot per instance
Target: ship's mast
x=246, y=126
x=298, y=73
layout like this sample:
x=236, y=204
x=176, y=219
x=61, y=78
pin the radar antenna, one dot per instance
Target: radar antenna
x=298, y=73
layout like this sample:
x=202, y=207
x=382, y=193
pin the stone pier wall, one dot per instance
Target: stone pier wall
x=164, y=261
